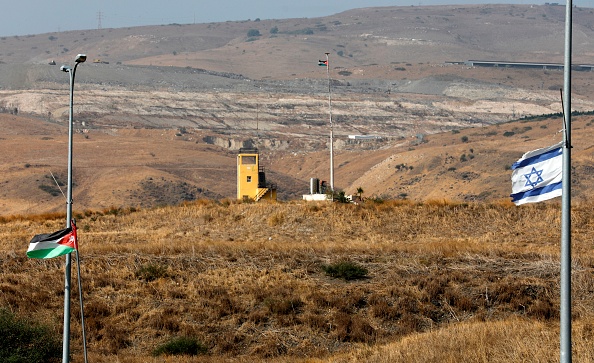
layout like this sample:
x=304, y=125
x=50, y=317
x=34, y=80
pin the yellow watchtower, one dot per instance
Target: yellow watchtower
x=251, y=179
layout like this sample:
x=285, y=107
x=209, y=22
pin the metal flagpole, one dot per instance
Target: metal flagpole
x=565, y=308
x=68, y=270
x=82, y=310
x=331, y=126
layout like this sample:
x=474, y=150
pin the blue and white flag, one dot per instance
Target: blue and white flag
x=537, y=175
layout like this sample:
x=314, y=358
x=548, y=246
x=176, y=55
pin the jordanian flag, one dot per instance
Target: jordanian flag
x=53, y=244
x=322, y=63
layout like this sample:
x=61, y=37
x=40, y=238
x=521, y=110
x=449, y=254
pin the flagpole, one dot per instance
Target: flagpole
x=331, y=126
x=68, y=267
x=82, y=310
x=565, y=308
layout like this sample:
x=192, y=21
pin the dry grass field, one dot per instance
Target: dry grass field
x=446, y=282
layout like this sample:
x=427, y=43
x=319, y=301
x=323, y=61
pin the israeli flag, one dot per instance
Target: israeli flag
x=537, y=175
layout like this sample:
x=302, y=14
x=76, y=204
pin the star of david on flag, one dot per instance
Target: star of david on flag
x=537, y=175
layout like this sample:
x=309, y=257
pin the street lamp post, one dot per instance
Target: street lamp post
x=67, y=276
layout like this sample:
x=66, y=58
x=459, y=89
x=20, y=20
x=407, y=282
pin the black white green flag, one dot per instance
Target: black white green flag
x=53, y=244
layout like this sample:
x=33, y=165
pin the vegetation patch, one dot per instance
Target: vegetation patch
x=151, y=272
x=52, y=190
x=181, y=346
x=25, y=341
x=347, y=270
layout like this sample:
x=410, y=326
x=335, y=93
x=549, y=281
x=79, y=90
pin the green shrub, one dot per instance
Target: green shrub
x=253, y=33
x=345, y=270
x=340, y=197
x=181, y=346
x=151, y=272
x=24, y=342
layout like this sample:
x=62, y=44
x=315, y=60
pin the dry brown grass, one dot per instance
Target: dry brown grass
x=447, y=281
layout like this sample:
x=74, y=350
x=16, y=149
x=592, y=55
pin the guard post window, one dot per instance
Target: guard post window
x=248, y=160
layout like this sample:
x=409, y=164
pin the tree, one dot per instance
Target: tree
x=253, y=33
x=360, y=192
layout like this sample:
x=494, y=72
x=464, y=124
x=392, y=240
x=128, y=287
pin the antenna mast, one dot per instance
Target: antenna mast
x=99, y=16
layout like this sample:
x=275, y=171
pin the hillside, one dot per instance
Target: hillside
x=144, y=167
x=355, y=38
x=161, y=114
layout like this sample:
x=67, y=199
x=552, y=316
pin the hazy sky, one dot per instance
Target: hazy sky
x=22, y=17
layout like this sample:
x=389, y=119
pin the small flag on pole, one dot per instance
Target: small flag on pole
x=53, y=244
x=323, y=63
x=537, y=175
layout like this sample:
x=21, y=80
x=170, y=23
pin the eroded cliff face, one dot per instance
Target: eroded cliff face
x=236, y=144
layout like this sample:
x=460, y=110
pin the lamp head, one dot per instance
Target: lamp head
x=81, y=58
x=65, y=69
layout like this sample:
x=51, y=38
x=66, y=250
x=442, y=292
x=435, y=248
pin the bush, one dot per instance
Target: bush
x=345, y=270
x=181, y=346
x=151, y=272
x=253, y=33
x=24, y=342
x=340, y=197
